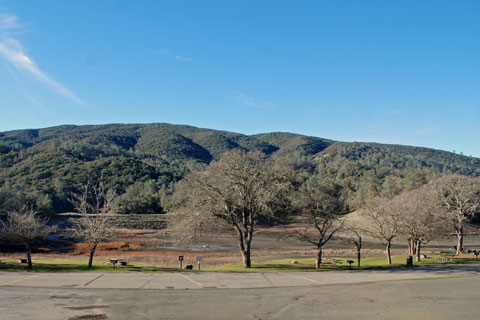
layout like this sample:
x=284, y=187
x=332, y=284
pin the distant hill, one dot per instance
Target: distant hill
x=376, y=155
x=143, y=161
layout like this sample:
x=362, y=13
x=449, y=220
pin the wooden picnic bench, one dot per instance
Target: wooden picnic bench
x=447, y=258
x=113, y=262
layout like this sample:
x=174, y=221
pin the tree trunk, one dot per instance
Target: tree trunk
x=29, y=255
x=418, y=250
x=460, y=240
x=318, y=262
x=244, y=241
x=412, y=247
x=248, y=241
x=358, y=247
x=92, y=252
x=247, y=263
x=389, y=257
x=359, y=255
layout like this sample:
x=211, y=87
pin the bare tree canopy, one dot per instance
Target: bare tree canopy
x=321, y=205
x=25, y=227
x=95, y=205
x=422, y=218
x=460, y=197
x=354, y=236
x=240, y=190
x=383, y=222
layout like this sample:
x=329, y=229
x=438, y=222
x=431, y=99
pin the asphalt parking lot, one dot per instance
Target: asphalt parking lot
x=440, y=292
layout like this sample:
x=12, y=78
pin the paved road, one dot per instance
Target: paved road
x=447, y=292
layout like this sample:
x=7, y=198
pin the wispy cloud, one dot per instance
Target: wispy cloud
x=176, y=57
x=425, y=130
x=388, y=114
x=12, y=51
x=8, y=22
x=182, y=58
x=23, y=92
x=250, y=101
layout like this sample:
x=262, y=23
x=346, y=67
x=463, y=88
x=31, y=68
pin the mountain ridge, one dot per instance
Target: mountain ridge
x=53, y=162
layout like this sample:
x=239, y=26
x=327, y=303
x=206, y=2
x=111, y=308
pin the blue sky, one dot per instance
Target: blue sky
x=403, y=72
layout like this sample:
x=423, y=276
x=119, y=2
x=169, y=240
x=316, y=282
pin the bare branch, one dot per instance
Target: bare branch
x=241, y=190
x=25, y=227
x=459, y=196
x=96, y=207
x=321, y=206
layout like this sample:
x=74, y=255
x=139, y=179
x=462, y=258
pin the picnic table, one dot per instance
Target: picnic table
x=113, y=262
x=337, y=261
x=447, y=258
x=332, y=261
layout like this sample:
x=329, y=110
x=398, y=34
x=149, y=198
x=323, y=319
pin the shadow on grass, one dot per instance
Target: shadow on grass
x=283, y=267
x=433, y=263
x=73, y=267
x=307, y=265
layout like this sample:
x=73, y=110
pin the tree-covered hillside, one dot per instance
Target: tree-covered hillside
x=375, y=155
x=142, y=162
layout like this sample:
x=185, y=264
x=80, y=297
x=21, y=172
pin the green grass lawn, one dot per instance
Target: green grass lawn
x=285, y=265
x=308, y=264
x=76, y=266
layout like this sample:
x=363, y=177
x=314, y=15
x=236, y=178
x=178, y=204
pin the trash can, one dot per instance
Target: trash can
x=409, y=261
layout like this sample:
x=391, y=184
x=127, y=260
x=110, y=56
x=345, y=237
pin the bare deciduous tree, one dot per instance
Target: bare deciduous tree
x=383, y=222
x=421, y=219
x=460, y=197
x=25, y=226
x=240, y=190
x=354, y=238
x=95, y=205
x=321, y=206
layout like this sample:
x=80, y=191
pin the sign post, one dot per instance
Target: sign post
x=199, y=259
x=180, y=258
